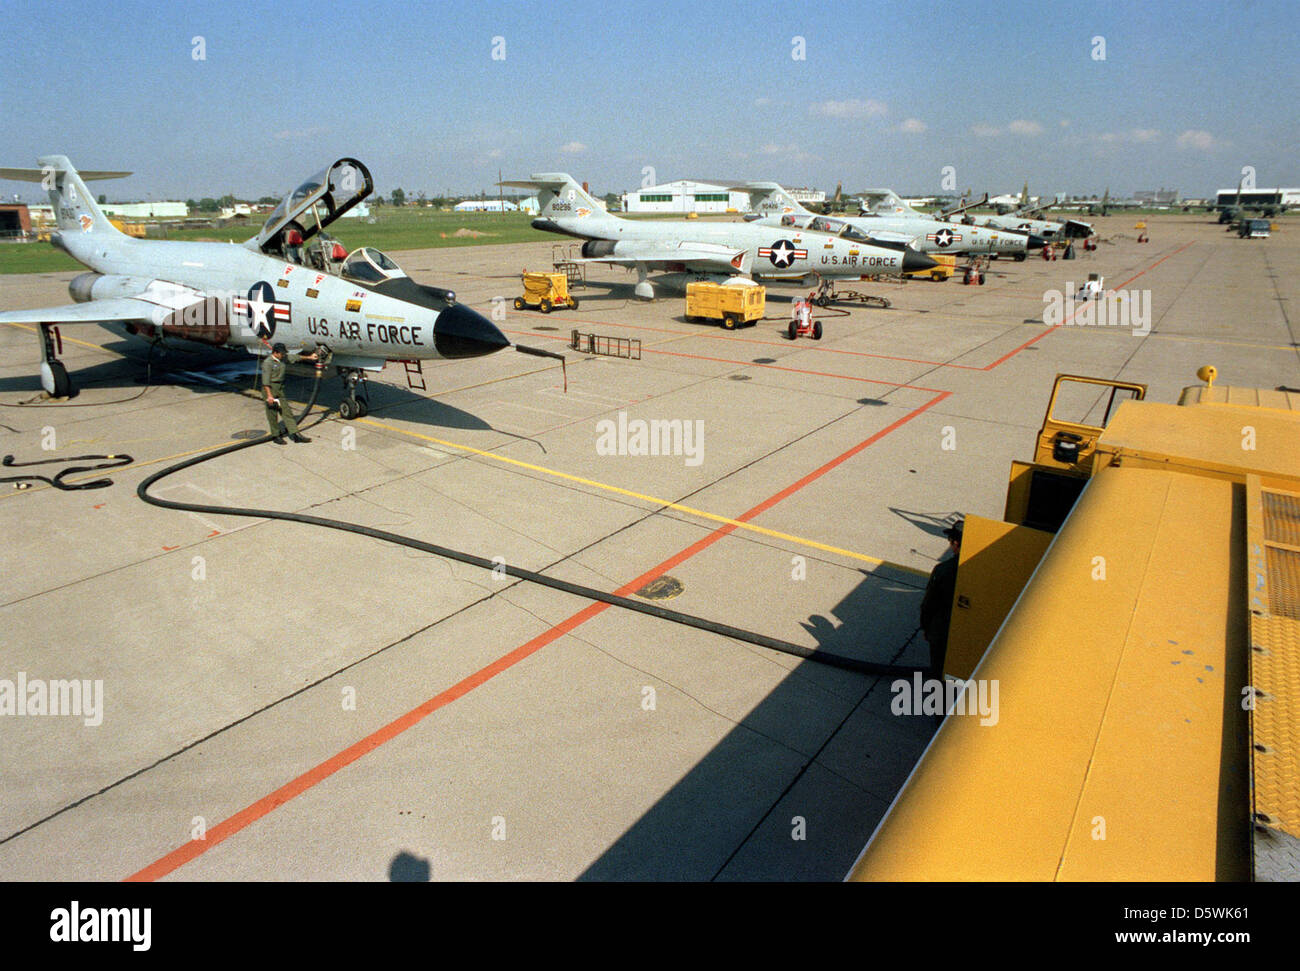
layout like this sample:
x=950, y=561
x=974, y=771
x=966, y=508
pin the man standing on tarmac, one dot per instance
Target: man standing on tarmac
x=278, y=408
x=936, y=605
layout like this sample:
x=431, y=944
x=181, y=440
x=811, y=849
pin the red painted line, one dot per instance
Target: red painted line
x=774, y=367
x=250, y=814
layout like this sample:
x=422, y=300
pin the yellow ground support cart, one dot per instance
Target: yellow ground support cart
x=946, y=268
x=733, y=305
x=544, y=291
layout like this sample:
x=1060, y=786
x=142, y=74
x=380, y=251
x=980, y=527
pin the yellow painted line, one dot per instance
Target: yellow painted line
x=678, y=507
x=69, y=340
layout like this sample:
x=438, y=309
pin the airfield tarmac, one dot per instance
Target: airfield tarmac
x=319, y=705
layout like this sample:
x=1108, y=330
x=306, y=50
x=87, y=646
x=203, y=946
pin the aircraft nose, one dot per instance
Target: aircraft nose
x=1035, y=242
x=461, y=332
x=915, y=261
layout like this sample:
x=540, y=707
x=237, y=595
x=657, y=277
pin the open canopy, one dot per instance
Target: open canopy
x=316, y=203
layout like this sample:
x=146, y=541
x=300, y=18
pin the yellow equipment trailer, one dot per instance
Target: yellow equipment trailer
x=1139, y=614
x=733, y=305
x=546, y=291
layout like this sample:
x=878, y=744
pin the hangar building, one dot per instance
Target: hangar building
x=687, y=196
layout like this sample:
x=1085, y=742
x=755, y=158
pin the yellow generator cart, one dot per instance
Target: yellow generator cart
x=946, y=268
x=544, y=291
x=733, y=305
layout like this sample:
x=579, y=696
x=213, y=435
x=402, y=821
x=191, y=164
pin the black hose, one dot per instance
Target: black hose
x=589, y=593
x=109, y=462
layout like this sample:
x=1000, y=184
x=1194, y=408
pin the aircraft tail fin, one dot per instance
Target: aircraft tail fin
x=559, y=196
x=769, y=199
x=74, y=205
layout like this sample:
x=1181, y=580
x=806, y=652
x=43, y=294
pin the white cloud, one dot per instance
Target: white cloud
x=762, y=102
x=1194, y=138
x=573, y=148
x=913, y=126
x=494, y=153
x=985, y=131
x=852, y=108
x=1022, y=127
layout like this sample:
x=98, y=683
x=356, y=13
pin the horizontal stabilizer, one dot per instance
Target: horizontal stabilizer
x=39, y=175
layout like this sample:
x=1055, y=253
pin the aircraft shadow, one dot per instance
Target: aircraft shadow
x=730, y=817
x=205, y=370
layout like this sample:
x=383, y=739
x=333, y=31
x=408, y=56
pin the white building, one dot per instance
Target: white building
x=146, y=210
x=1258, y=197
x=687, y=196
x=486, y=205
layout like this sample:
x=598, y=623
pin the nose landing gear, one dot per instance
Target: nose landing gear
x=352, y=406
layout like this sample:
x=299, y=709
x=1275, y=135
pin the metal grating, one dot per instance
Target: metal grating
x=1281, y=518
x=1283, y=582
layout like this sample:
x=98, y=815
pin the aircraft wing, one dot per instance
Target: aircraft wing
x=117, y=310
x=157, y=303
x=698, y=256
x=888, y=236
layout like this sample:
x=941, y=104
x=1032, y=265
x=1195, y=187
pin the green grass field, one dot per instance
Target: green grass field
x=393, y=230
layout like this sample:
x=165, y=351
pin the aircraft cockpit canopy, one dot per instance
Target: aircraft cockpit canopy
x=838, y=227
x=316, y=203
x=369, y=266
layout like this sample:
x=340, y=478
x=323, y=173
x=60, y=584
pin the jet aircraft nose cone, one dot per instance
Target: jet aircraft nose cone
x=461, y=332
x=914, y=261
x=1035, y=242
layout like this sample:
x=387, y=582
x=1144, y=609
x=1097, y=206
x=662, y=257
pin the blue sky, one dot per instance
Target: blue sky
x=885, y=94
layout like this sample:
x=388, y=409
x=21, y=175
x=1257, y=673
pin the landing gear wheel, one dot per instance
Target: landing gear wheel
x=822, y=301
x=349, y=409
x=793, y=330
x=519, y=303
x=62, y=383
x=729, y=321
x=817, y=330
x=544, y=306
x=363, y=407
x=981, y=279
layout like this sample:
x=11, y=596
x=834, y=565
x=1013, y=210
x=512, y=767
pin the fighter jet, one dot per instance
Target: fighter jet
x=884, y=201
x=707, y=250
x=774, y=206
x=287, y=283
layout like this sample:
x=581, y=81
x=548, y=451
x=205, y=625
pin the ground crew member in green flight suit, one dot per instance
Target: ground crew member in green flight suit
x=278, y=408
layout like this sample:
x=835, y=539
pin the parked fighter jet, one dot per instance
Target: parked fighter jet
x=702, y=249
x=885, y=201
x=361, y=308
x=774, y=206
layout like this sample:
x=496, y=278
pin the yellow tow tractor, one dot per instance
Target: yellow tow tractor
x=544, y=291
x=732, y=304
